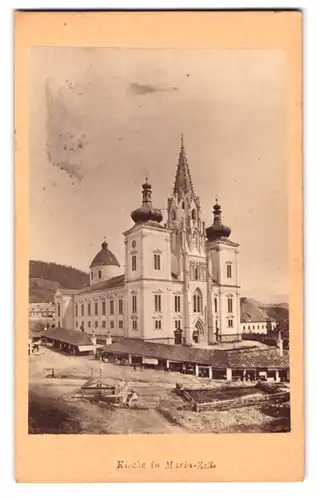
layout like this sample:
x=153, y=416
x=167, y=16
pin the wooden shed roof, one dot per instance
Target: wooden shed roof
x=72, y=337
x=234, y=358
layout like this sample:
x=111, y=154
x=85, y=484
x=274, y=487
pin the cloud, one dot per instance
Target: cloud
x=140, y=89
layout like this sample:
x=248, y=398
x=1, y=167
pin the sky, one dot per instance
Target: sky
x=103, y=119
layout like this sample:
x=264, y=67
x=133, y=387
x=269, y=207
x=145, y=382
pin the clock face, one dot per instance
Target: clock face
x=133, y=244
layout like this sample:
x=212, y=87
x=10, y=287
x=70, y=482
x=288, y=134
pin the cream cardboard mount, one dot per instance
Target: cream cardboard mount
x=172, y=349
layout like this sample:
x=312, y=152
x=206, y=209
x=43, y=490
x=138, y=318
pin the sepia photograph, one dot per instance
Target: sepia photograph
x=158, y=245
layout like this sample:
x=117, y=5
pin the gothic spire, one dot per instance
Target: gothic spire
x=183, y=182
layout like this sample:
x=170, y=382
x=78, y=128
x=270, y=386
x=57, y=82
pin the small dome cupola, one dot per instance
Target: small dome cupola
x=104, y=257
x=217, y=230
x=104, y=265
x=146, y=212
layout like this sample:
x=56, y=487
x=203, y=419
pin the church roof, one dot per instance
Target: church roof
x=104, y=257
x=183, y=182
x=148, y=224
x=115, y=282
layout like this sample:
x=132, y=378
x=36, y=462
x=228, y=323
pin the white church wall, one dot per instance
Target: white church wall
x=102, y=322
x=227, y=257
x=156, y=243
x=142, y=243
x=229, y=319
x=103, y=273
x=157, y=323
x=133, y=242
x=65, y=319
x=177, y=308
x=134, y=311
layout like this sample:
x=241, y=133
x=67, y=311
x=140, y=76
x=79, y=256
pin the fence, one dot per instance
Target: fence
x=277, y=397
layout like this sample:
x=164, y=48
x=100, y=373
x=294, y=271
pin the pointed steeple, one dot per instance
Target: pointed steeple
x=183, y=182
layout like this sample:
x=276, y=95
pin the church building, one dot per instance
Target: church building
x=180, y=283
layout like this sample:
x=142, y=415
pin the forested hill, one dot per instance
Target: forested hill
x=252, y=310
x=46, y=277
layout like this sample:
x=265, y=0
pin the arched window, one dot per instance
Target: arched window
x=173, y=215
x=183, y=205
x=193, y=214
x=196, y=273
x=197, y=301
x=229, y=270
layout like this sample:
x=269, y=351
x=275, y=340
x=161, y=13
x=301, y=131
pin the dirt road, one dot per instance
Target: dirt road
x=160, y=410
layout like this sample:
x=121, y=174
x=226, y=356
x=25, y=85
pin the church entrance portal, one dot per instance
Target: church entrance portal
x=198, y=332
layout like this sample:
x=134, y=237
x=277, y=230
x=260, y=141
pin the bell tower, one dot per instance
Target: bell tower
x=223, y=292
x=188, y=261
x=184, y=211
x=148, y=273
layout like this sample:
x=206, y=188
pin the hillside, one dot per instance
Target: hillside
x=279, y=312
x=252, y=310
x=46, y=277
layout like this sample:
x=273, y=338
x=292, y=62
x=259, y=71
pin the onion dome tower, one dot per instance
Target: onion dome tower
x=104, y=265
x=217, y=230
x=146, y=213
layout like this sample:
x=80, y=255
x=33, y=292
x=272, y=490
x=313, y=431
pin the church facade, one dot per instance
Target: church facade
x=181, y=282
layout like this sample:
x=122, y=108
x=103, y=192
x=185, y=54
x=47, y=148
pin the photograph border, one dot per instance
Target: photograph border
x=237, y=457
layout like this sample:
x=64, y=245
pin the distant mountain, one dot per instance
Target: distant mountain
x=279, y=312
x=46, y=277
x=253, y=310
x=265, y=295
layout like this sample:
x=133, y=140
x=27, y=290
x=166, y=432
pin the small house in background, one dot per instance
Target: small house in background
x=41, y=315
x=254, y=319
